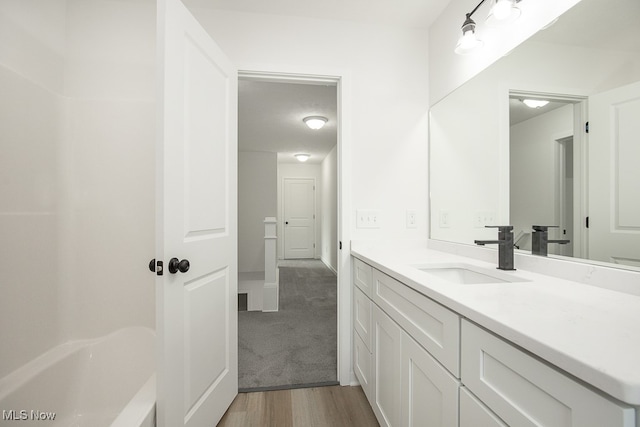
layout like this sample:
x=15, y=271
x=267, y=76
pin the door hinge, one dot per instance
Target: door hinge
x=314, y=245
x=340, y=247
x=587, y=222
x=314, y=216
x=586, y=127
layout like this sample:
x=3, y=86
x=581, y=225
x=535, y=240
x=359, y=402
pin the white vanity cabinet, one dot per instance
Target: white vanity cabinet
x=405, y=384
x=422, y=364
x=523, y=391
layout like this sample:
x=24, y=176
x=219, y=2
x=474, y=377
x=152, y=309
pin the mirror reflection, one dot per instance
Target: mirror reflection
x=496, y=161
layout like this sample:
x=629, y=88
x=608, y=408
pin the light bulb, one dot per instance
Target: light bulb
x=502, y=9
x=502, y=12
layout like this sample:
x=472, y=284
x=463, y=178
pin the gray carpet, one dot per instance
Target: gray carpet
x=296, y=346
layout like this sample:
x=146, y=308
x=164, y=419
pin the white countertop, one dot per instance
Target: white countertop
x=590, y=332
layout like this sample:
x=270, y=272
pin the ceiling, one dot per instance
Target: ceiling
x=405, y=13
x=270, y=118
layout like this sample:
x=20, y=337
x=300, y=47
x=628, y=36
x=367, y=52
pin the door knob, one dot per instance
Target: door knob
x=175, y=265
x=286, y=222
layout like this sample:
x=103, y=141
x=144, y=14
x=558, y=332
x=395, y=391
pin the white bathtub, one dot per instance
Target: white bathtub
x=108, y=381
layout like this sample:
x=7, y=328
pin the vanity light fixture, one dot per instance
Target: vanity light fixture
x=315, y=122
x=468, y=42
x=534, y=103
x=302, y=157
x=502, y=12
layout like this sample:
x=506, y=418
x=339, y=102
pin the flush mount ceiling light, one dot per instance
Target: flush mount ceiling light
x=315, y=122
x=503, y=12
x=302, y=157
x=534, y=103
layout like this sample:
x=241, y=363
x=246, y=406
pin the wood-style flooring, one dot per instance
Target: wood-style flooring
x=333, y=406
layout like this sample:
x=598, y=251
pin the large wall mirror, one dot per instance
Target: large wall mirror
x=495, y=161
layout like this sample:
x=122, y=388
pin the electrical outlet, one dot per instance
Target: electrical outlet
x=412, y=219
x=367, y=218
x=445, y=219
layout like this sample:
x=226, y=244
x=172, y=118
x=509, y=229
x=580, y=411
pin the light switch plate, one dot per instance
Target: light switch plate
x=367, y=218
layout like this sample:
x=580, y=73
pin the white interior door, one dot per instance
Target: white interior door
x=196, y=321
x=614, y=176
x=299, y=218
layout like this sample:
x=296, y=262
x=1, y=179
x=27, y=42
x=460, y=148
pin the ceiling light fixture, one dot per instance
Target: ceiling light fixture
x=534, y=103
x=315, y=122
x=503, y=12
x=302, y=157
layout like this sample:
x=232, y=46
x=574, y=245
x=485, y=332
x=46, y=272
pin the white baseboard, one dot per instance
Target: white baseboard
x=329, y=266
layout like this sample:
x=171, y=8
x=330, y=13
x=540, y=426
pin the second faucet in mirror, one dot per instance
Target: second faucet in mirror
x=540, y=239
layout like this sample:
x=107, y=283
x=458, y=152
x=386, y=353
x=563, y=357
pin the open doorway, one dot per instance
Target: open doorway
x=546, y=163
x=302, y=198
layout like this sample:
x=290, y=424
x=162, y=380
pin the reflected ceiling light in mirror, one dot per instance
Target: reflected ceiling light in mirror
x=302, y=157
x=534, y=103
x=503, y=12
x=315, y=122
x=468, y=42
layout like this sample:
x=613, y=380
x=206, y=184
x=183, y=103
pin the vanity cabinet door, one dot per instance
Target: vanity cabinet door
x=362, y=316
x=362, y=364
x=386, y=369
x=362, y=276
x=523, y=391
x=429, y=391
x=474, y=414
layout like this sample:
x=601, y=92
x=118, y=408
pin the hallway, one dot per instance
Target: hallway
x=298, y=344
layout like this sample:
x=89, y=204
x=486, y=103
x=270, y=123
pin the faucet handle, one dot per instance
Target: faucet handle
x=501, y=228
x=543, y=227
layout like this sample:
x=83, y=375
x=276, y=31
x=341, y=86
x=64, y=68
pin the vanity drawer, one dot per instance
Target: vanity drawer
x=433, y=326
x=362, y=316
x=524, y=391
x=362, y=276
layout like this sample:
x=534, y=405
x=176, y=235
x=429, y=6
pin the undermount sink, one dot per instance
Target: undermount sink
x=466, y=274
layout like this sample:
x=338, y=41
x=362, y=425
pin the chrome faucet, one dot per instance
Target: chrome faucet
x=505, y=245
x=540, y=239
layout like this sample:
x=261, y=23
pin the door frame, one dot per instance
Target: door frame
x=580, y=160
x=560, y=148
x=282, y=220
x=342, y=80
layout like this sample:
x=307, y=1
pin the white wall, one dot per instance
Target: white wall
x=257, y=199
x=387, y=68
x=533, y=163
x=77, y=120
x=31, y=111
x=298, y=170
x=329, y=210
x=447, y=70
x=109, y=163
